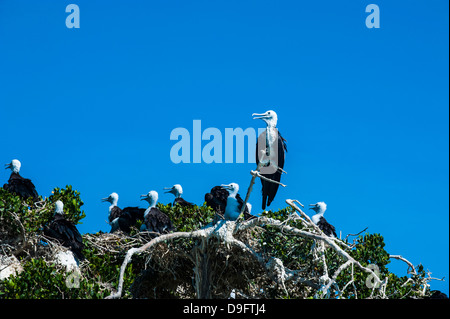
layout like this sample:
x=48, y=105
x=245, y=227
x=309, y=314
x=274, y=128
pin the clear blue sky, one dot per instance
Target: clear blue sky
x=364, y=111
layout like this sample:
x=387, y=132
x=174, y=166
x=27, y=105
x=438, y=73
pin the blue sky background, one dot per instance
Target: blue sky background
x=364, y=111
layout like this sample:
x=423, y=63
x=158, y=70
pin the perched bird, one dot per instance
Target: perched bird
x=122, y=219
x=270, y=151
x=64, y=231
x=114, y=210
x=232, y=209
x=320, y=221
x=217, y=199
x=18, y=185
x=154, y=219
x=177, y=190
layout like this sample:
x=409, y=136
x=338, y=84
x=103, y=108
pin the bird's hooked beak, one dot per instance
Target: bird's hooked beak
x=9, y=165
x=226, y=186
x=106, y=199
x=314, y=206
x=260, y=116
x=170, y=190
x=144, y=197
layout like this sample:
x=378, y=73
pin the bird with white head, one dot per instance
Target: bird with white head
x=320, y=221
x=155, y=221
x=14, y=166
x=177, y=191
x=64, y=231
x=122, y=219
x=232, y=210
x=18, y=185
x=270, y=156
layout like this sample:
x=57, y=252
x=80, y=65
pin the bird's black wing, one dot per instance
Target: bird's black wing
x=269, y=189
x=135, y=212
x=240, y=202
x=247, y=215
x=158, y=222
x=20, y=186
x=182, y=202
x=326, y=227
x=217, y=199
x=129, y=217
x=115, y=212
x=66, y=233
x=282, y=143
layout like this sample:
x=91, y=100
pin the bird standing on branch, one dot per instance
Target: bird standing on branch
x=270, y=152
x=320, y=221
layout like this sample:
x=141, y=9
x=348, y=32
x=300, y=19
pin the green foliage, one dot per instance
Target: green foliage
x=281, y=214
x=40, y=280
x=10, y=203
x=187, y=219
x=34, y=216
x=105, y=267
x=293, y=251
x=370, y=252
x=72, y=203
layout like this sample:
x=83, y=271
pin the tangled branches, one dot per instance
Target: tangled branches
x=331, y=272
x=226, y=232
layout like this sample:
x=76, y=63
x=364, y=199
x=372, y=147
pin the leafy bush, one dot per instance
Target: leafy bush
x=33, y=216
x=72, y=203
x=40, y=280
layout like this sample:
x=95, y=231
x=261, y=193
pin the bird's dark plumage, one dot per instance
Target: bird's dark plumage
x=115, y=213
x=158, y=222
x=66, y=233
x=129, y=217
x=20, y=186
x=217, y=200
x=269, y=190
x=326, y=227
x=436, y=294
x=182, y=202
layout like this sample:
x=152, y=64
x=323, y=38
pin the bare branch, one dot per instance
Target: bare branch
x=249, y=190
x=356, y=233
x=331, y=242
x=410, y=265
x=258, y=174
